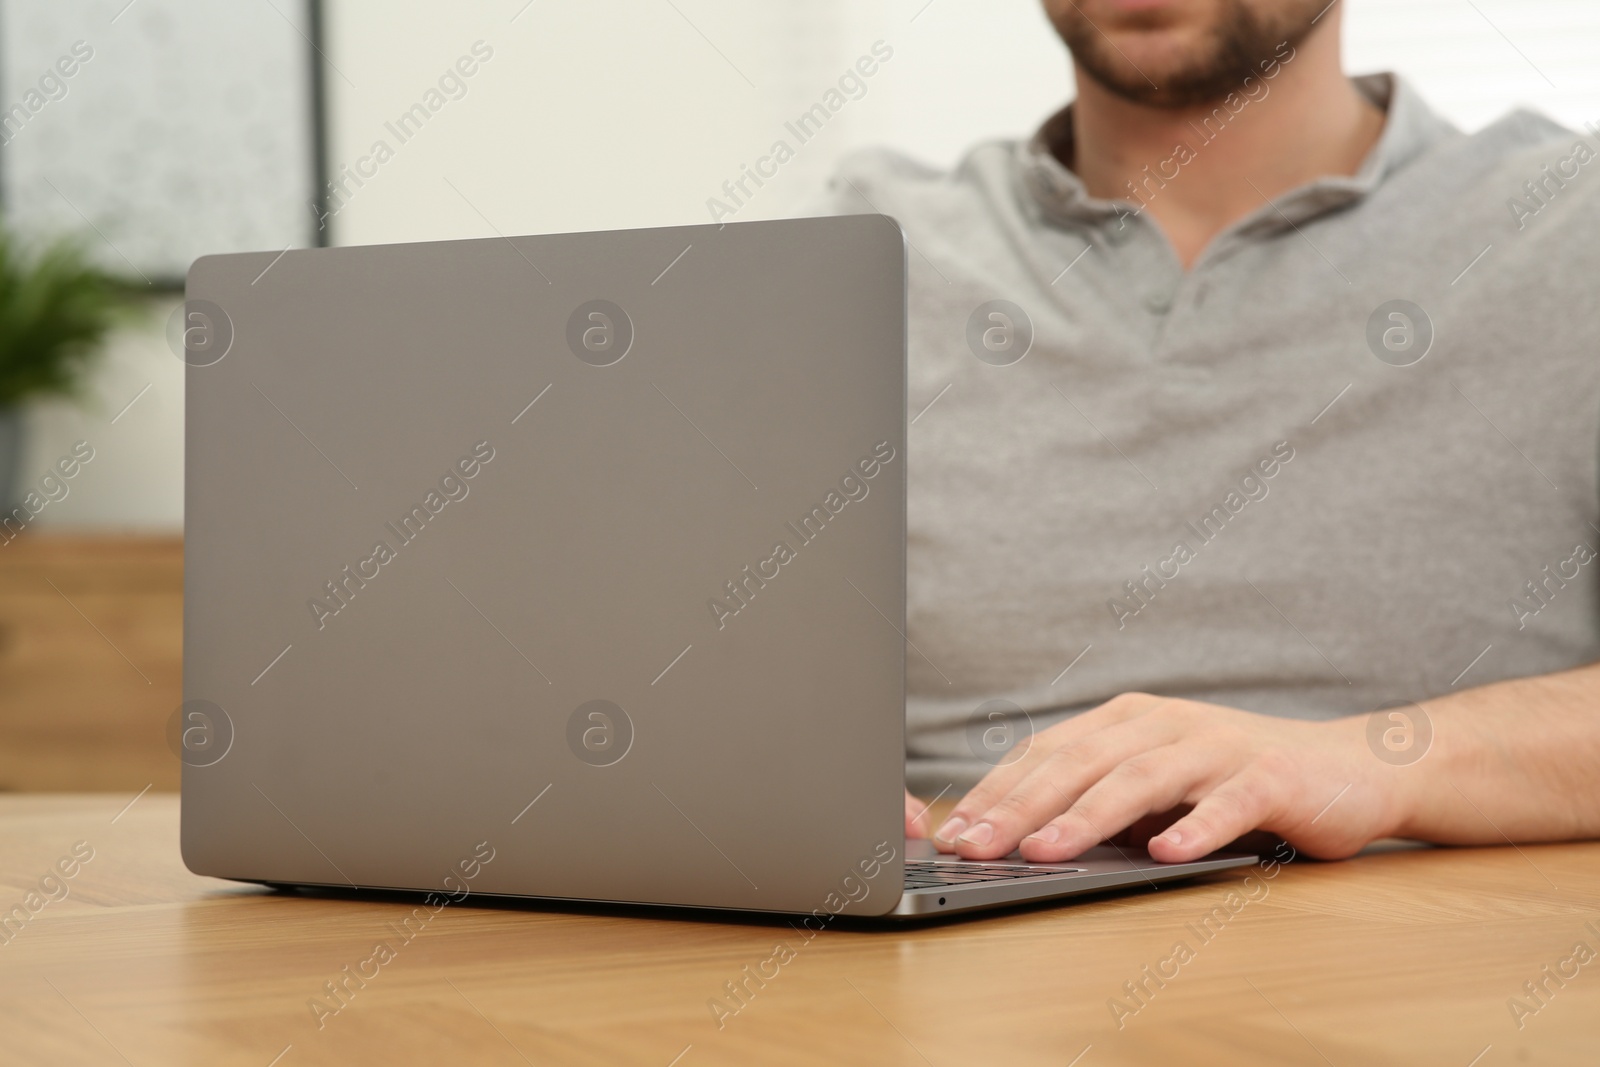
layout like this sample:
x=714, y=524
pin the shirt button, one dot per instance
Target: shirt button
x=1120, y=233
x=1158, y=303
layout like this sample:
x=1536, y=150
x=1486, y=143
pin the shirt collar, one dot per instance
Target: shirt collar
x=1410, y=129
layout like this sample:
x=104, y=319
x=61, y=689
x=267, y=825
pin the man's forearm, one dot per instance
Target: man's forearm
x=1517, y=760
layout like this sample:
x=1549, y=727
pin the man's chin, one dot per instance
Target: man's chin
x=1179, y=55
x=1143, y=10
x=1157, y=70
x=1152, y=64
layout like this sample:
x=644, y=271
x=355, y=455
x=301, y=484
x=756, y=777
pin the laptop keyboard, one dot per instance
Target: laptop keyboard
x=936, y=874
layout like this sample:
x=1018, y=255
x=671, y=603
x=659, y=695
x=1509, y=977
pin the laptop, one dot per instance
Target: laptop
x=567, y=567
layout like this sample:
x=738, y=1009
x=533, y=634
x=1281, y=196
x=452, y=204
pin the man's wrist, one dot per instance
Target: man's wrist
x=1396, y=783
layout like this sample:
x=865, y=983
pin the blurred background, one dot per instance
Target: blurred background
x=137, y=135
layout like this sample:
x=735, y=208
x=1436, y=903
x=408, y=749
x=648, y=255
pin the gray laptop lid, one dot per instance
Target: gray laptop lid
x=583, y=552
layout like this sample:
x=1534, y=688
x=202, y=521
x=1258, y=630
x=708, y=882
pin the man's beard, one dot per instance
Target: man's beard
x=1235, y=48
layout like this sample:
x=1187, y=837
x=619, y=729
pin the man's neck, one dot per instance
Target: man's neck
x=1197, y=170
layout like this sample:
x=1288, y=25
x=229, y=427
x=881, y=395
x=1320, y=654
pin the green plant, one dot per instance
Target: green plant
x=56, y=308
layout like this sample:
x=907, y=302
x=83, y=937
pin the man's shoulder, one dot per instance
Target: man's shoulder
x=1538, y=168
x=1497, y=178
x=1524, y=133
x=1522, y=142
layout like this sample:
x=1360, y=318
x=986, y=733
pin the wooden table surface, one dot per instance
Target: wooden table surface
x=1403, y=957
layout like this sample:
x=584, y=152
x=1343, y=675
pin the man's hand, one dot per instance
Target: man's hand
x=1316, y=784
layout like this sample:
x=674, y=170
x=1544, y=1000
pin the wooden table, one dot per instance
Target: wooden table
x=1403, y=957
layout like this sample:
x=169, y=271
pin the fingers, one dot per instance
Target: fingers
x=1152, y=781
x=1003, y=779
x=916, y=816
x=1250, y=799
x=1057, y=780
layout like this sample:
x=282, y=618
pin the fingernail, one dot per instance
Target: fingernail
x=951, y=828
x=1047, y=834
x=1173, y=836
x=980, y=834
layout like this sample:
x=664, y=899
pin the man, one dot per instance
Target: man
x=1267, y=392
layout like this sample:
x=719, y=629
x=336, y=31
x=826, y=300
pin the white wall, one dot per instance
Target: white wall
x=1473, y=60
x=135, y=480
x=136, y=477
x=633, y=113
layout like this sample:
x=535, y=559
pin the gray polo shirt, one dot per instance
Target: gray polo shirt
x=1347, y=460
